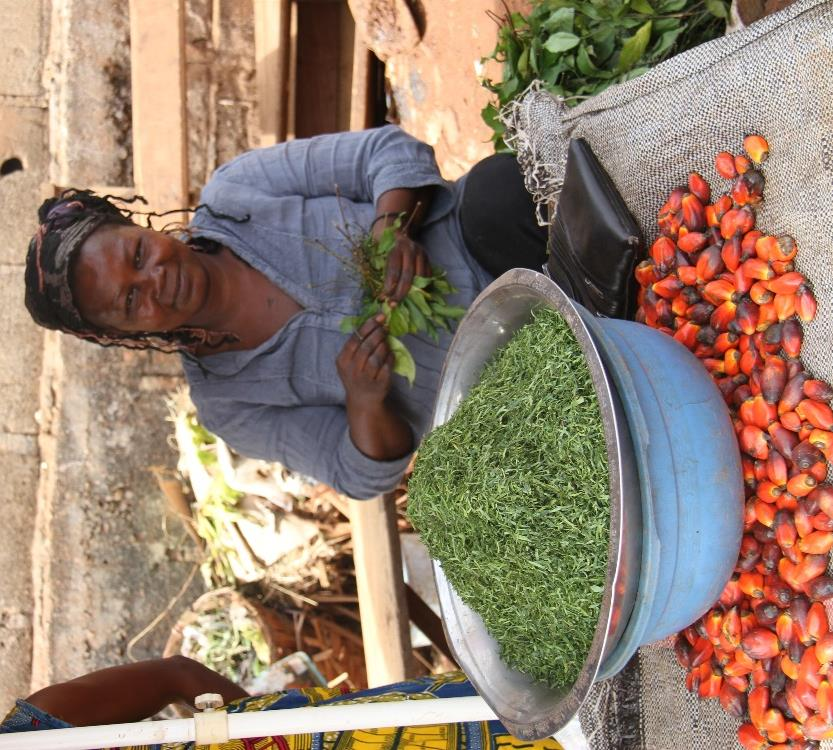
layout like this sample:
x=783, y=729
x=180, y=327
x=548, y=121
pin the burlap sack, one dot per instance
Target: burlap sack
x=775, y=78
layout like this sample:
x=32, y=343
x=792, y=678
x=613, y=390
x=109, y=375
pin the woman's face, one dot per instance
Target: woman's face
x=131, y=279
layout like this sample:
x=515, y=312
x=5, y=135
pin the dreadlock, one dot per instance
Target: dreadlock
x=65, y=223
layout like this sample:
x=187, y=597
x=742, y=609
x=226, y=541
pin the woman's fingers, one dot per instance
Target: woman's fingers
x=393, y=270
x=406, y=273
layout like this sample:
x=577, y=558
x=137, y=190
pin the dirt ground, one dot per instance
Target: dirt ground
x=436, y=84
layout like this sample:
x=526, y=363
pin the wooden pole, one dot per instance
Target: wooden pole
x=272, y=48
x=157, y=69
x=384, y=612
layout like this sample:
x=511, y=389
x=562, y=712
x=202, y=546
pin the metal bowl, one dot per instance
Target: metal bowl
x=528, y=708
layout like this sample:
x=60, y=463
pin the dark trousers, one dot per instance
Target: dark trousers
x=497, y=216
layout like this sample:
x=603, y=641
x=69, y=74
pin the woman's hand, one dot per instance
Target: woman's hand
x=365, y=364
x=406, y=260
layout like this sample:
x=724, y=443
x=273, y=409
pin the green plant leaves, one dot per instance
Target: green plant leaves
x=580, y=48
x=403, y=362
x=634, y=47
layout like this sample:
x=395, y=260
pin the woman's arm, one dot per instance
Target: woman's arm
x=132, y=692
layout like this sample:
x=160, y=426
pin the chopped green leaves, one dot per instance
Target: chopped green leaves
x=511, y=496
x=580, y=47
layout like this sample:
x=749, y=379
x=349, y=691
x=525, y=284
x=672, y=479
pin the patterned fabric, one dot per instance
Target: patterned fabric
x=490, y=735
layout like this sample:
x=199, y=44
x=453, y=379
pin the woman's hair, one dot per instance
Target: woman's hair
x=64, y=224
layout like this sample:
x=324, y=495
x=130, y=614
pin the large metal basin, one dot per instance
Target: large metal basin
x=669, y=499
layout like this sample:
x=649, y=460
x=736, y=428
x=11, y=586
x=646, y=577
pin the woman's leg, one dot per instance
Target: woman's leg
x=497, y=216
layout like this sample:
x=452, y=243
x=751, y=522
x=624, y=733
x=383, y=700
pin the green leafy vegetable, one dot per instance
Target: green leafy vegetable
x=579, y=48
x=423, y=310
x=511, y=496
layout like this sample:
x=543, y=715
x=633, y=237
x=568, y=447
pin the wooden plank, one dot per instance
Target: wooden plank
x=272, y=48
x=157, y=70
x=360, y=85
x=384, y=613
x=427, y=621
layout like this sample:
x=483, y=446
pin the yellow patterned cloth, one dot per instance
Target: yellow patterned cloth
x=481, y=735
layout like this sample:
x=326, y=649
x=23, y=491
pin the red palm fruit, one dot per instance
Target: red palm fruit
x=701, y=651
x=675, y=200
x=706, y=335
x=714, y=366
x=699, y=187
x=820, y=588
x=731, y=253
x=691, y=634
x=776, y=468
x=687, y=274
x=742, y=164
x=777, y=591
x=787, y=283
x=758, y=703
x=755, y=268
x=737, y=221
x=788, y=666
x=808, y=667
x=822, y=522
x=679, y=306
x=785, y=249
x=752, y=584
x=772, y=335
x=663, y=252
x=823, y=440
x=766, y=613
x=749, y=245
x=824, y=697
x=719, y=291
x=812, y=566
x=756, y=147
x=760, y=643
x=750, y=361
x=730, y=627
x=794, y=700
x=750, y=551
x=791, y=421
x=794, y=367
x=822, y=495
x=786, y=501
x=709, y=264
x=765, y=246
x=731, y=363
x=784, y=525
x=694, y=215
x=805, y=454
x=753, y=442
x=710, y=682
x=740, y=192
x=770, y=555
x=792, y=337
x=762, y=533
x=682, y=650
x=692, y=680
x=803, y=520
x=824, y=648
x=817, y=413
x=760, y=470
x=725, y=341
x=667, y=288
x=712, y=621
x=793, y=393
x=724, y=163
x=818, y=471
x=773, y=726
x=670, y=224
x=747, y=315
x=779, y=266
x=782, y=439
x=693, y=242
x=732, y=700
x=786, y=570
x=817, y=543
x=646, y=272
x=758, y=412
x=750, y=519
x=818, y=390
x=766, y=490
x=799, y=607
x=805, y=304
x=816, y=623
x=785, y=628
x=740, y=665
x=730, y=597
x=784, y=305
x=723, y=316
x=801, y=485
x=759, y=293
x=751, y=739
x=712, y=219
x=773, y=379
x=686, y=334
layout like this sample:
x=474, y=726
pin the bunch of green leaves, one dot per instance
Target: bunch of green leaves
x=579, y=48
x=423, y=310
x=511, y=497
x=229, y=641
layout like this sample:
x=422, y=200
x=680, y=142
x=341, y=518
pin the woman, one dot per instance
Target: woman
x=257, y=310
x=136, y=691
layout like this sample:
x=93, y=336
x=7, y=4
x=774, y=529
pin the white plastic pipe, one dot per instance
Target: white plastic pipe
x=287, y=721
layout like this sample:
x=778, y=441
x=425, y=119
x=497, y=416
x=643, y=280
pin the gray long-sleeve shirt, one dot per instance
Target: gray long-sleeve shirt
x=284, y=400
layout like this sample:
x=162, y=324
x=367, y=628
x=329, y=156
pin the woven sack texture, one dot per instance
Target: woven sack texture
x=775, y=78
